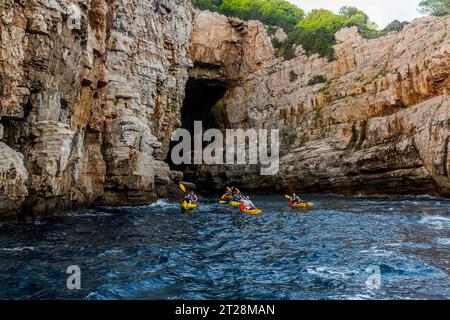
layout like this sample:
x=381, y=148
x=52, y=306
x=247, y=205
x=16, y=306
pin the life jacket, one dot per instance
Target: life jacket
x=190, y=198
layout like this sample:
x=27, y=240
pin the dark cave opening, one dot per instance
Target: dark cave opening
x=200, y=98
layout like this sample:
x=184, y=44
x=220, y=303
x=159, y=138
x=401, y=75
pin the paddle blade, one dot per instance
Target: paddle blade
x=229, y=189
x=287, y=197
x=182, y=187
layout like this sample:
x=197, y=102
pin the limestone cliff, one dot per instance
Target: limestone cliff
x=91, y=91
x=375, y=120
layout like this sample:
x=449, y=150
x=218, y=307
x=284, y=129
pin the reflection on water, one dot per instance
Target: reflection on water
x=156, y=252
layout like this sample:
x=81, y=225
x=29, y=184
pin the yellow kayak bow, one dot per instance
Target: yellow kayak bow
x=188, y=206
x=254, y=212
x=302, y=205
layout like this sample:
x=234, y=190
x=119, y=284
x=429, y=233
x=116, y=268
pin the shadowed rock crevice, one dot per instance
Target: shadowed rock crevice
x=201, y=97
x=200, y=105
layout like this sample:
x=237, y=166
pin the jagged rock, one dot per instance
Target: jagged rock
x=37, y=24
x=89, y=82
x=13, y=180
x=88, y=103
x=280, y=35
x=232, y=48
x=356, y=124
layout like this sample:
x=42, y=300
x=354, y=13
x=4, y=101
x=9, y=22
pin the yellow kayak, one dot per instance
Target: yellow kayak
x=188, y=206
x=250, y=211
x=255, y=212
x=302, y=205
x=234, y=204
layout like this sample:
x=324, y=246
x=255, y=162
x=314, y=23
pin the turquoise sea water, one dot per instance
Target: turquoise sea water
x=216, y=252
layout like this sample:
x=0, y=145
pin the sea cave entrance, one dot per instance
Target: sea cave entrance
x=199, y=105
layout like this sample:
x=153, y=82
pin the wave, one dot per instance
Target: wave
x=162, y=203
x=17, y=249
x=331, y=273
x=110, y=252
x=443, y=241
x=438, y=222
x=89, y=214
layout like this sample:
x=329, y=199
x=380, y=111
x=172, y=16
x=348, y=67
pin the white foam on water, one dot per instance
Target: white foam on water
x=92, y=294
x=359, y=297
x=394, y=244
x=330, y=273
x=89, y=214
x=373, y=251
x=99, y=214
x=17, y=249
x=438, y=222
x=443, y=241
x=162, y=203
x=110, y=252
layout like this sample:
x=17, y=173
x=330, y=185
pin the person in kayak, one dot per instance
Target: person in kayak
x=191, y=198
x=236, y=197
x=227, y=195
x=248, y=204
x=296, y=199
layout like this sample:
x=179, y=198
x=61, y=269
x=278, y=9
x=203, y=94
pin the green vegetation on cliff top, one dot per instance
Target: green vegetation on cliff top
x=435, y=7
x=315, y=30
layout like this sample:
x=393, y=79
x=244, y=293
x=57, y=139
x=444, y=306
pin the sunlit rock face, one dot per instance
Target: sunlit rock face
x=89, y=92
x=374, y=120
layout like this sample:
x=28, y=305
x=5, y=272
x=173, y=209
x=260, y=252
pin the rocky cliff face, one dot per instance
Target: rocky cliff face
x=376, y=120
x=91, y=90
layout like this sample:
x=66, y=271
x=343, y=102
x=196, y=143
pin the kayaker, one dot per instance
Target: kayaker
x=191, y=198
x=248, y=204
x=296, y=199
x=236, y=197
x=227, y=195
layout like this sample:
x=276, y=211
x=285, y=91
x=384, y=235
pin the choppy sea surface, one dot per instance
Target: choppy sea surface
x=343, y=248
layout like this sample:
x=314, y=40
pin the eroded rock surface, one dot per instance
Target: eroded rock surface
x=90, y=92
x=375, y=120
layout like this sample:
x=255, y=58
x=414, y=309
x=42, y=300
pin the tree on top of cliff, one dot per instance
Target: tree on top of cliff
x=360, y=19
x=315, y=31
x=435, y=7
x=395, y=26
x=271, y=12
x=211, y=5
